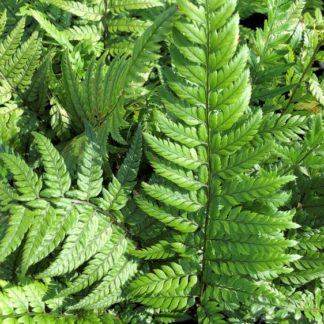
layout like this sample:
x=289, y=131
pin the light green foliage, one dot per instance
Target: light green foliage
x=24, y=304
x=210, y=83
x=102, y=96
x=220, y=220
x=67, y=222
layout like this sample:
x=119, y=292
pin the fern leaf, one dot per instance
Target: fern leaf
x=171, y=198
x=26, y=181
x=90, y=171
x=78, y=9
x=179, y=223
x=250, y=189
x=9, y=46
x=118, y=6
x=230, y=143
x=20, y=220
x=165, y=288
x=121, y=186
x=108, y=292
x=50, y=28
x=207, y=147
x=184, y=179
x=45, y=234
x=20, y=68
x=99, y=266
x=183, y=156
x=159, y=251
x=83, y=240
x=56, y=178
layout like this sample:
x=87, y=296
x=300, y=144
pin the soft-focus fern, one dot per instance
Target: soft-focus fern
x=209, y=189
x=49, y=215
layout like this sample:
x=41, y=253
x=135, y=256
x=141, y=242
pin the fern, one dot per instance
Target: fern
x=24, y=303
x=104, y=93
x=46, y=220
x=220, y=221
x=206, y=125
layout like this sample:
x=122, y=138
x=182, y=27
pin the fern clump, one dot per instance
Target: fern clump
x=161, y=161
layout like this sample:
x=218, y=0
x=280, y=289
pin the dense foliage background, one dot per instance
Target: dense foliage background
x=161, y=161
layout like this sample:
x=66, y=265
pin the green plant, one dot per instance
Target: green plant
x=219, y=220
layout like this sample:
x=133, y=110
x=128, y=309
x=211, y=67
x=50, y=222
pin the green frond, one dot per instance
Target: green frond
x=184, y=135
x=161, y=250
x=62, y=234
x=20, y=220
x=57, y=34
x=83, y=32
x=316, y=90
x=172, y=198
x=20, y=68
x=48, y=230
x=24, y=303
x=60, y=121
x=179, y=223
x=283, y=127
x=128, y=25
x=9, y=46
x=86, y=238
x=233, y=141
x=181, y=155
x=184, y=179
x=238, y=221
x=26, y=180
x=56, y=177
x=90, y=170
x=246, y=158
x=169, y=287
x=116, y=196
x=99, y=266
x=118, y=6
x=250, y=189
x=78, y=9
x=109, y=291
x=145, y=48
x=207, y=148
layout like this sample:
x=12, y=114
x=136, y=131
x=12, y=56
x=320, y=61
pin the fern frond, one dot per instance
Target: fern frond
x=250, y=189
x=160, y=250
x=19, y=223
x=207, y=146
x=99, y=266
x=74, y=232
x=48, y=230
x=78, y=9
x=108, y=292
x=118, y=6
x=85, y=239
x=9, y=46
x=116, y=196
x=26, y=180
x=166, y=288
x=56, y=177
x=90, y=171
x=50, y=28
